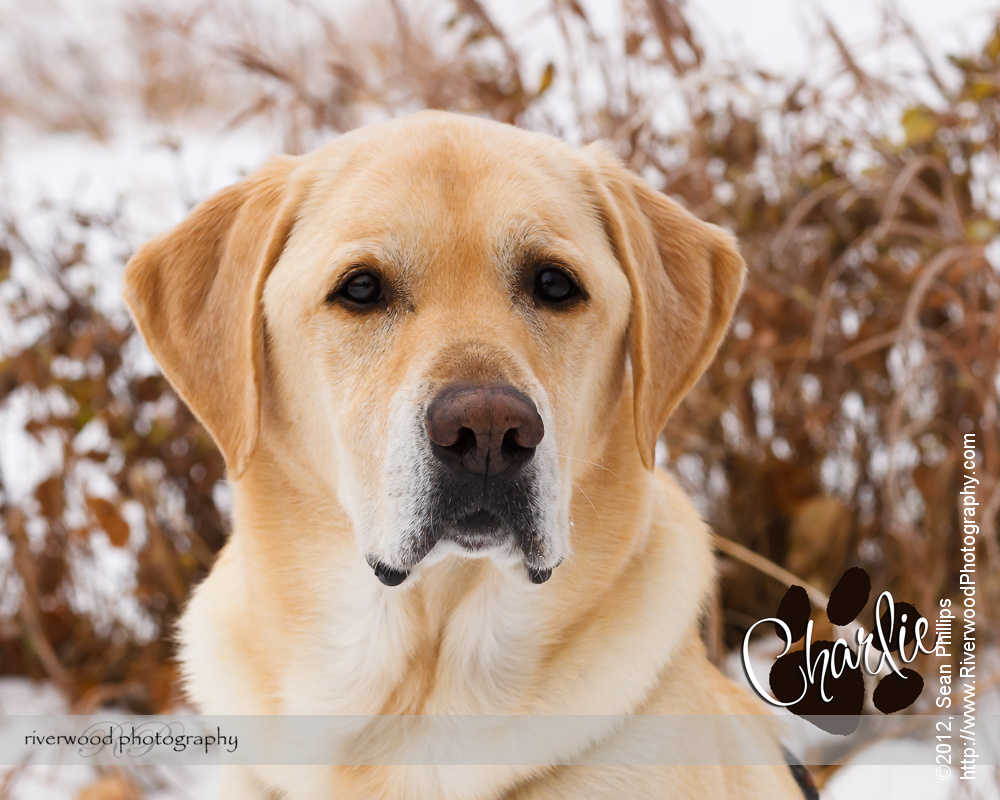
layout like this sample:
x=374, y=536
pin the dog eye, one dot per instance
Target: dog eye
x=554, y=286
x=362, y=289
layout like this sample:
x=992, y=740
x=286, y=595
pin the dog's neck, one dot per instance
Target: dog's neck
x=317, y=634
x=465, y=636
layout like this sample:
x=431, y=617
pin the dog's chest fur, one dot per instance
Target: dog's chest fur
x=466, y=639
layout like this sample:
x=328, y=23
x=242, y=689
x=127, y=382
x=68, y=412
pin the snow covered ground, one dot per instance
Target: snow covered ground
x=20, y=696
x=900, y=768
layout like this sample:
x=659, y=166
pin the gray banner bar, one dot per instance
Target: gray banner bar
x=493, y=740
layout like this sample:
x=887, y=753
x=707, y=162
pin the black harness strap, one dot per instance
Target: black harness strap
x=802, y=776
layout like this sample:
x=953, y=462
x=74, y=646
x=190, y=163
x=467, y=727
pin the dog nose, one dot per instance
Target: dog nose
x=484, y=431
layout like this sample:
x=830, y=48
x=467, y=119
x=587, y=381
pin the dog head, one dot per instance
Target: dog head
x=436, y=319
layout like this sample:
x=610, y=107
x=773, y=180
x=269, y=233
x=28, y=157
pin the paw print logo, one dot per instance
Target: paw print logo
x=824, y=681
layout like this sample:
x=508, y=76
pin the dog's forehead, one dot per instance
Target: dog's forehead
x=440, y=178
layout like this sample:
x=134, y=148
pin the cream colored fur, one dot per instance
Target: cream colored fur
x=318, y=411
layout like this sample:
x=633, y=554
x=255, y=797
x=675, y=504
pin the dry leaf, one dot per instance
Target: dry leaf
x=110, y=520
x=111, y=787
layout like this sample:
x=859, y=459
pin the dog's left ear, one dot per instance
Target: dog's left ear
x=685, y=276
x=195, y=295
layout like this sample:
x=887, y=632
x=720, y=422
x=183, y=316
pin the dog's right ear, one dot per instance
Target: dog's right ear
x=195, y=294
x=685, y=276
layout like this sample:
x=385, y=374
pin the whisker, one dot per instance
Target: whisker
x=592, y=463
x=577, y=486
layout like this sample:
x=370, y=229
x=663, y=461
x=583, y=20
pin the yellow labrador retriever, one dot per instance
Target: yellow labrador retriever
x=436, y=355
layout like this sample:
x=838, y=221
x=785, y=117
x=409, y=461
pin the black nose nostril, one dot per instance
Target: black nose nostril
x=465, y=443
x=512, y=449
x=484, y=430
